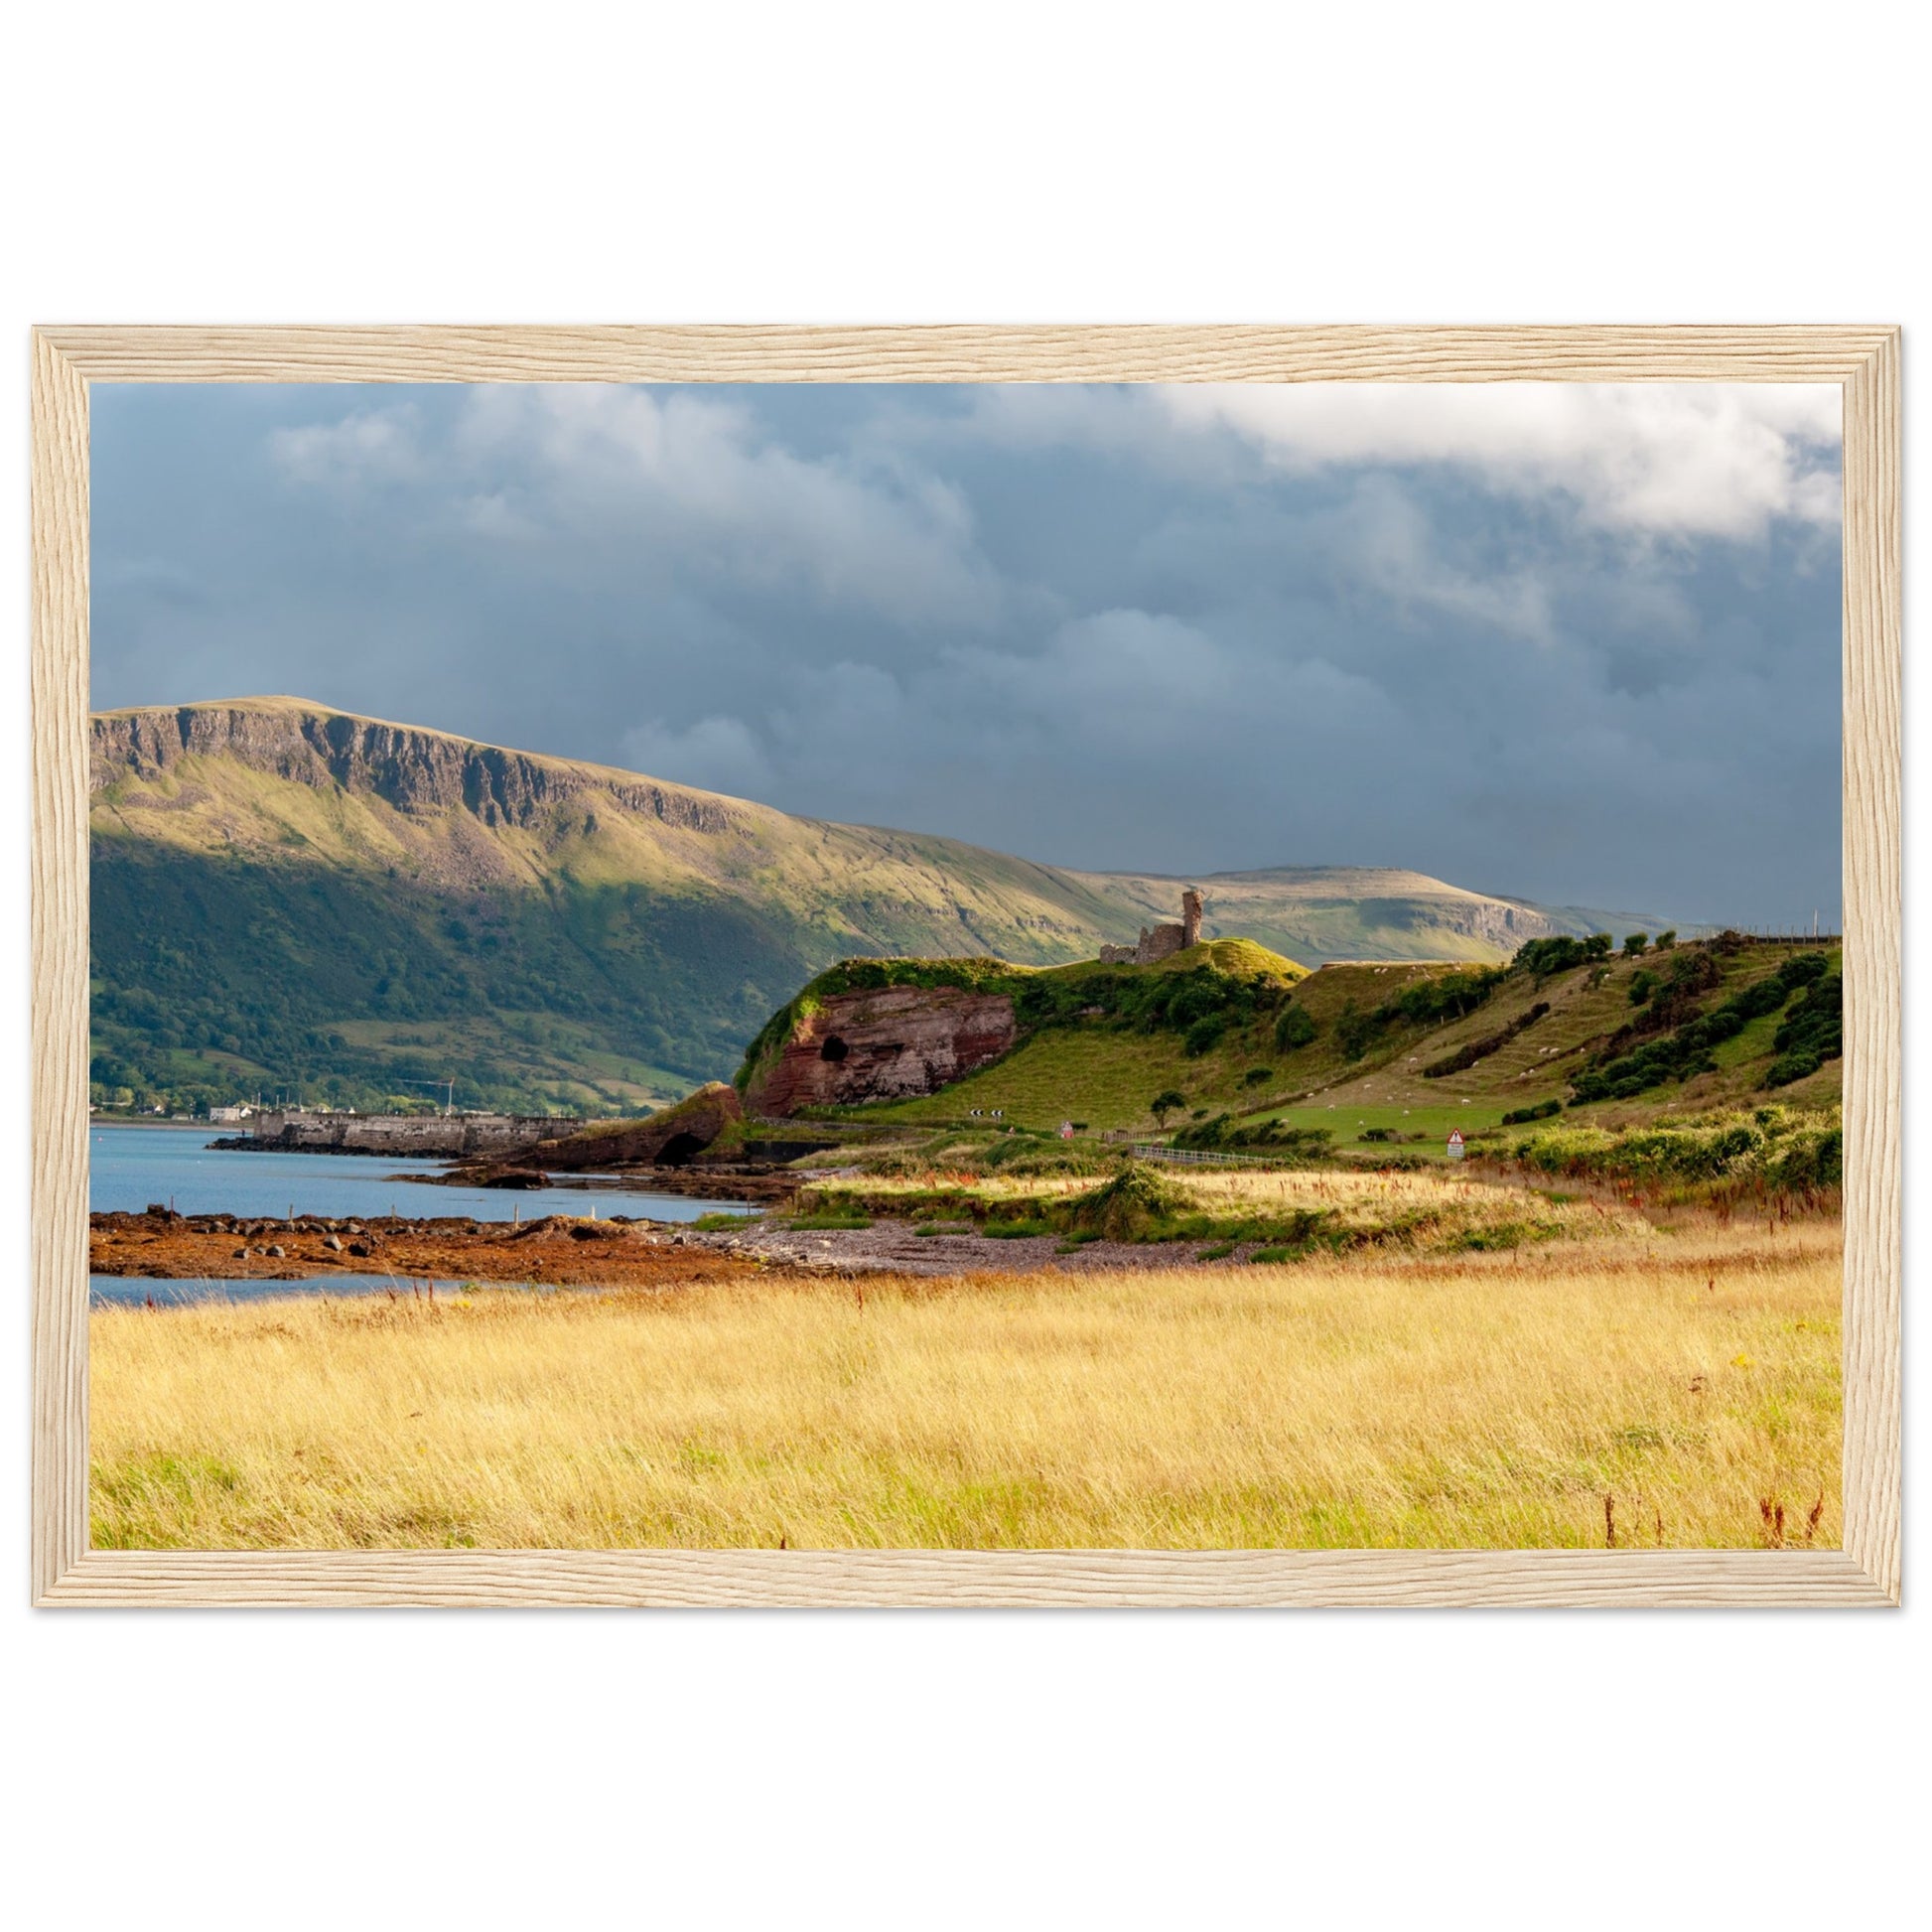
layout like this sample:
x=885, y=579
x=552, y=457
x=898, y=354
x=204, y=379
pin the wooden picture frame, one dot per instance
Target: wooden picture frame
x=1865, y=362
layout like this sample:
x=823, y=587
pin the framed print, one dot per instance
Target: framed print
x=966, y=966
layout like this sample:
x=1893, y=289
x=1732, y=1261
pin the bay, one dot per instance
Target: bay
x=132, y=1168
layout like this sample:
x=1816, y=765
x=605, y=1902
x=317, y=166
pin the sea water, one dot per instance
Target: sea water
x=132, y=1168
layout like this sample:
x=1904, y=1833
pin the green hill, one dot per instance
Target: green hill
x=1398, y=1053
x=286, y=897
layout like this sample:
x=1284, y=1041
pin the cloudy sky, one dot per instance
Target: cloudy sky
x=1578, y=644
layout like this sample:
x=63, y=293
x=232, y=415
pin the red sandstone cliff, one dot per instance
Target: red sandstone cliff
x=886, y=1043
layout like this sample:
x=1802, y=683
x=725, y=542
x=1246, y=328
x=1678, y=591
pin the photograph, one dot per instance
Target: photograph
x=966, y=966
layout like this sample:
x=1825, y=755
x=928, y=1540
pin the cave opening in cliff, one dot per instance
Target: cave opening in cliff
x=679, y=1149
x=834, y=1049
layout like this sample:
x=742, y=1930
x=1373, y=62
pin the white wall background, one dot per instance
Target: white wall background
x=388, y=161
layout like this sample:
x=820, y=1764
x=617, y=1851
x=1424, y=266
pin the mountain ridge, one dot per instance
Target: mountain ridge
x=286, y=892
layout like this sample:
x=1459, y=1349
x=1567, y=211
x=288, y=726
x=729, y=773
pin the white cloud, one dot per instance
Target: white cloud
x=698, y=476
x=370, y=446
x=1695, y=458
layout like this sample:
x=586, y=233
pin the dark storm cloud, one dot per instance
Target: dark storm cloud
x=1578, y=644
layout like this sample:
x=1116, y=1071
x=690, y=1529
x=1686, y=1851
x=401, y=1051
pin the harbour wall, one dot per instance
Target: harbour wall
x=438, y=1136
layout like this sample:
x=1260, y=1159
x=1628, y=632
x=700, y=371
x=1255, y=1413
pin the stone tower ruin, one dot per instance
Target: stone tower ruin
x=1161, y=941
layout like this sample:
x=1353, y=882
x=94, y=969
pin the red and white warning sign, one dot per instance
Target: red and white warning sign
x=1455, y=1144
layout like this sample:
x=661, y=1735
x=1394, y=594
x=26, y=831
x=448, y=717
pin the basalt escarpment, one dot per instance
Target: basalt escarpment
x=413, y=769
x=891, y=1042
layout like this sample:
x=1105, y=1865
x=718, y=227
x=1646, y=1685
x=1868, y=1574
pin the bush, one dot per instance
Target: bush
x=1293, y=1028
x=1306, y=1144
x=1136, y=1201
x=1685, y=1052
x=1354, y=1030
x=1666, y=939
x=1203, y=1036
x=1542, y=1110
x=1636, y=946
x=1642, y=985
x=1782, y=1152
x=1480, y=1050
x=1804, y=968
x=1257, y=1077
x=1813, y=1031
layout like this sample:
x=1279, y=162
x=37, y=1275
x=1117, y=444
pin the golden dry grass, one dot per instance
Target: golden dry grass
x=1486, y=1399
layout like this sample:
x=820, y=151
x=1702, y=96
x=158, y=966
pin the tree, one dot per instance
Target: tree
x=1163, y=1104
x=1667, y=939
x=1634, y=945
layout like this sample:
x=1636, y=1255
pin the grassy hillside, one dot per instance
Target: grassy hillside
x=286, y=898
x=1396, y=1055
x=289, y=898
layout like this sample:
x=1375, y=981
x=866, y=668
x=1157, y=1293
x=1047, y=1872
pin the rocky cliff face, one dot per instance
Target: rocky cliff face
x=415, y=770
x=889, y=1043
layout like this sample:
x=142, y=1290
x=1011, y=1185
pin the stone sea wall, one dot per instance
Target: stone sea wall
x=434, y=1135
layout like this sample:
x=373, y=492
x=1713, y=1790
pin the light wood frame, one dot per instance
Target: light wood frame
x=1865, y=362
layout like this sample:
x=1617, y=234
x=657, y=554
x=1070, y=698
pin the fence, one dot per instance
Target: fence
x=1205, y=1157
x=1770, y=935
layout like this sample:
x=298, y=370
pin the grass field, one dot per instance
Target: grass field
x=1688, y=1378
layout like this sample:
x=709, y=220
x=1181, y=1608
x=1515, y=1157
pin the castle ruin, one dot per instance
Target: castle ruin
x=1161, y=941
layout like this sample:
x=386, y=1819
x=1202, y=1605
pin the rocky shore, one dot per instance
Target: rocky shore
x=556, y=1250
x=566, y=1251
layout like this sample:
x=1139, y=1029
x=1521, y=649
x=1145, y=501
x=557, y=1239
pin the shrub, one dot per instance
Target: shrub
x=1542, y=1110
x=1270, y=1136
x=1480, y=1050
x=1636, y=944
x=1354, y=1030
x=1293, y=1028
x=1789, y=1153
x=1804, y=968
x=1685, y=1052
x=1666, y=939
x=1643, y=984
x=1813, y=1031
x=1138, y=1201
x=1203, y=1036
x=1257, y=1077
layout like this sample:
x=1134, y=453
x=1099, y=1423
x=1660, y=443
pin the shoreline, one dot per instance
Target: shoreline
x=568, y=1250
x=561, y=1251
